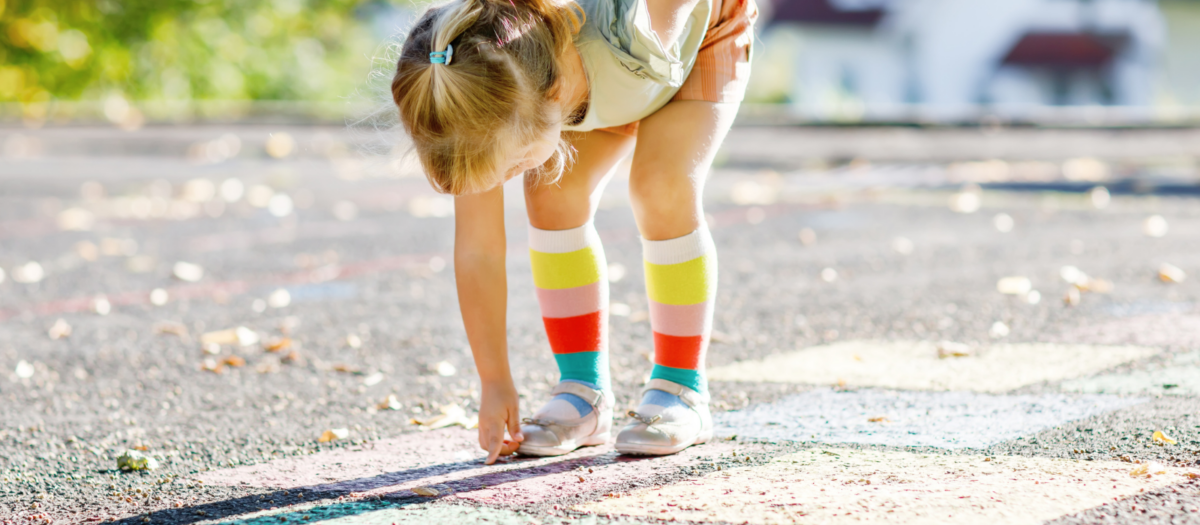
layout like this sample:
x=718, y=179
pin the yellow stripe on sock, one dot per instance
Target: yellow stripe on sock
x=684, y=283
x=555, y=271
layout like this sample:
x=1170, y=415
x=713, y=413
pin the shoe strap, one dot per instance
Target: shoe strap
x=690, y=397
x=596, y=398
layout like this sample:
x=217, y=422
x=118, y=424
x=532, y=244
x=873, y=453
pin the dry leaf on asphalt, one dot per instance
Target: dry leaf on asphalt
x=373, y=379
x=880, y=419
x=1015, y=285
x=391, y=403
x=1170, y=273
x=212, y=365
x=428, y=492
x=278, y=344
x=343, y=367
x=241, y=336
x=171, y=327
x=334, y=434
x=1162, y=438
x=1071, y=298
x=451, y=415
x=187, y=272
x=1147, y=470
x=135, y=460
x=946, y=349
x=234, y=361
x=59, y=330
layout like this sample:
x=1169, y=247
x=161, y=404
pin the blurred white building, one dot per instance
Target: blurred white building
x=961, y=59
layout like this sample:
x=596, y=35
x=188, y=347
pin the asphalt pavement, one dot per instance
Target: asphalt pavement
x=271, y=319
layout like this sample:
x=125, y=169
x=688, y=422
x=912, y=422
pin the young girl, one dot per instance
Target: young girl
x=561, y=91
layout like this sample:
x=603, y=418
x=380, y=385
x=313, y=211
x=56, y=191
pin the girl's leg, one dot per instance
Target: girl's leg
x=569, y=271
x=675, y=149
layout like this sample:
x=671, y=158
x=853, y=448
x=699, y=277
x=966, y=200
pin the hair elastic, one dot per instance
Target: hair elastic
x=442, y=57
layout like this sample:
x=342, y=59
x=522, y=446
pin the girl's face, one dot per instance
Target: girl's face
x=532, y=155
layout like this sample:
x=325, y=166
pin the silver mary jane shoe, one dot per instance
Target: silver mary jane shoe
x=657, y=431
x=545, y=436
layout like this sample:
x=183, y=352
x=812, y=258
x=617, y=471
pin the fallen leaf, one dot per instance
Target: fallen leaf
x=1147, y=470
x=1097, y=286
x=59, y=330
x=172, y=328
x=334, y=434
x=135, y=460
x=219, y=337
x=1015, y=285
x=427, y=492
x=451, y=415
x=342, y=367
x=880, y=419
x=278, y=344
x=1162, y=438
x=946, y=349
x=1071, y=298
x=1169, y=273
x=241, y=336
x=234, y=361
x=246, y=336
x=212, y=365
x=1192, y=475
x=1072, y=275
x=391, y=403
x=187, y=272
x=373, y=379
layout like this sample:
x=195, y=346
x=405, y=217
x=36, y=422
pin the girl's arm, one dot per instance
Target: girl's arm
x=667, y=18
x=479, y=269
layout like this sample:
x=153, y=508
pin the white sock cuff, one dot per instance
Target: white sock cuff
x=563, y=241
x=680, y=249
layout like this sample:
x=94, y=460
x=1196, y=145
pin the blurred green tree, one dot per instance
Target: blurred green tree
x=182, y=50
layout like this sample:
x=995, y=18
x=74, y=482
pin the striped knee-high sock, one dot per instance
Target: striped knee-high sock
x=681, y=282
x=570, y=274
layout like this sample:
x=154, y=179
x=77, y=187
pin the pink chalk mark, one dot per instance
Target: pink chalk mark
x=452, y=458
x=681, y=320
x=573, y=302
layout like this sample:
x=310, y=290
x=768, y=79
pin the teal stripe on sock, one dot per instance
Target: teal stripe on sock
x=591, y=367
x=693, y=379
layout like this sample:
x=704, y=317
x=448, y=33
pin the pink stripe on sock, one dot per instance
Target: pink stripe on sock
x=681, y=320
x=572, y=302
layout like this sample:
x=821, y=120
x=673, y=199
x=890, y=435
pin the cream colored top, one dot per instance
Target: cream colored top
x=630, y=74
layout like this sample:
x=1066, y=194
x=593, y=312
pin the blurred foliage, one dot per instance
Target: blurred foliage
x=182, y=50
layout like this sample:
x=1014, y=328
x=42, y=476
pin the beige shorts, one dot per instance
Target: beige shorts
x=723, y=64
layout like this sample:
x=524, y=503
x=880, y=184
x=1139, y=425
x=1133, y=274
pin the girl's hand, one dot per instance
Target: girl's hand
x=498, y=411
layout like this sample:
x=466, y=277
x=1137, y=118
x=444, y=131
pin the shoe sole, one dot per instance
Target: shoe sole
x=590, y=441
x=632, y=449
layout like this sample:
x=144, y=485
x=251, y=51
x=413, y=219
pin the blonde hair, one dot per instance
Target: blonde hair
x=466, y=116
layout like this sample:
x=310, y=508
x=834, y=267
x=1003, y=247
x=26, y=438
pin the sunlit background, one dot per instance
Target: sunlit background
x=843, y=61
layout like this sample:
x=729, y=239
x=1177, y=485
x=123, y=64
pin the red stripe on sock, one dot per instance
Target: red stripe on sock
x=679, y=352
x=582, y=333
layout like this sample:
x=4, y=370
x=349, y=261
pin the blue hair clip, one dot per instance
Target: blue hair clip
x=442, y=57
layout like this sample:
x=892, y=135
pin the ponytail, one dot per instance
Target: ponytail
x=466, y=114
